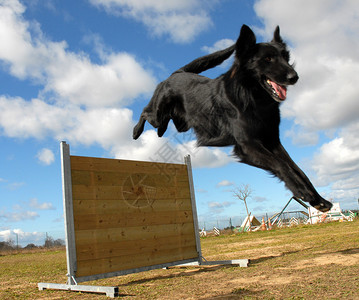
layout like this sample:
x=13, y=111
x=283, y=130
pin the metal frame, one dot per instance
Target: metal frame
x=187, y=160
x=293, y=198
x=68, y=213
x=72, y=281
x=110, y=291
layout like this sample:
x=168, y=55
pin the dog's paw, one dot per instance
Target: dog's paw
x=135, y=134
x=137, y=130
x=322, y=206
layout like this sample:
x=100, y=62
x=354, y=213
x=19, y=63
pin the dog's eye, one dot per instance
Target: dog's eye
x=268, y=59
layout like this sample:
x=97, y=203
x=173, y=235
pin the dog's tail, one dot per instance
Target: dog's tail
x=209, y=61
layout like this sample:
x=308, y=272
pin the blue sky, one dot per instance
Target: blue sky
x=82, y=71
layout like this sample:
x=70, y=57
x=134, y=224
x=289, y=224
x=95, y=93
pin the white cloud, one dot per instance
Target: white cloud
x=204, y=157
x=215, y=205
x=21, y=213
x=219, y=45
x=69, y=75
x=225, y=183
x=220, y=204
x=35, y=118
x=117, y=81
x=145, y=148
x=150, y=147
x=18, y=216
x=21, y=118
x=323, y=37
x=5, y=235
x=15, y=185
x=338, y=160
x=34, y=203
x=326, y=58
x=330, y=102
x=106, y=126
x=302, y=137
x=260, y=199
x=182, y=20
x=24, y=238
x=80, y=91
x=218, y=207
x=350, y=197
x=46, y=156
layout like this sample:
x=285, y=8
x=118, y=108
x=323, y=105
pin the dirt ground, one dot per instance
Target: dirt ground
x=318, y=261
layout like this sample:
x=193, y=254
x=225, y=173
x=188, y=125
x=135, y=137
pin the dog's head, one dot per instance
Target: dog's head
x=267, y=63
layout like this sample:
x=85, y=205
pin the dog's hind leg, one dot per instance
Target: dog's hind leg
x=138, y=129
x=163, y=127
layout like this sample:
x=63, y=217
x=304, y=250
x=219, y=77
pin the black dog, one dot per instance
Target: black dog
x=239, y=108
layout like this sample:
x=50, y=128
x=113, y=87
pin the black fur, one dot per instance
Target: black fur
x=239, y=108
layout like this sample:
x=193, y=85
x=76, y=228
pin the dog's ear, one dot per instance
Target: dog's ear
x=246, y=40
x=276, y=36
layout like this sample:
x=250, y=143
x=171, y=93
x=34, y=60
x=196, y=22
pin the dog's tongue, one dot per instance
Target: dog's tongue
x=280, y=90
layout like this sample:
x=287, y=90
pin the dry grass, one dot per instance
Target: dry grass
x=303, y=262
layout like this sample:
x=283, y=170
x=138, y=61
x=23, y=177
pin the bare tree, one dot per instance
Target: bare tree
x=49, y=241
x=243, y=193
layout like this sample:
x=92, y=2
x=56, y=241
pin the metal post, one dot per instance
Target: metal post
x=68, y=213
x=282, y=211
x=187, y=160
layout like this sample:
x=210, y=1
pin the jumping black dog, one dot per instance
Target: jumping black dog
x=239, y=108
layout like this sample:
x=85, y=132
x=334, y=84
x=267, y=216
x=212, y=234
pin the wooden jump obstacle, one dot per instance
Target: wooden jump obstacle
x=124, y=217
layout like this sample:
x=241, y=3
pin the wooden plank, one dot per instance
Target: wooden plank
x=119, y=263
x=96, y=178
x=99, y=236
x=117, y=165
x=88, y=207
x=145, y=247
x=137, y=218
x=87, y=192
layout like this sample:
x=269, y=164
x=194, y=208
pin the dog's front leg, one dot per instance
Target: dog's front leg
x=279, y=163
x=311, y=195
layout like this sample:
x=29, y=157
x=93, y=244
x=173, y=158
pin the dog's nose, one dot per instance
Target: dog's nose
x=292, y=77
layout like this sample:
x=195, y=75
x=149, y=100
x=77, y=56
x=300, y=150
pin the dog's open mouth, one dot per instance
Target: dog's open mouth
x=278, y=92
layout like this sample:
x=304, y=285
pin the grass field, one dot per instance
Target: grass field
x=304, y=262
